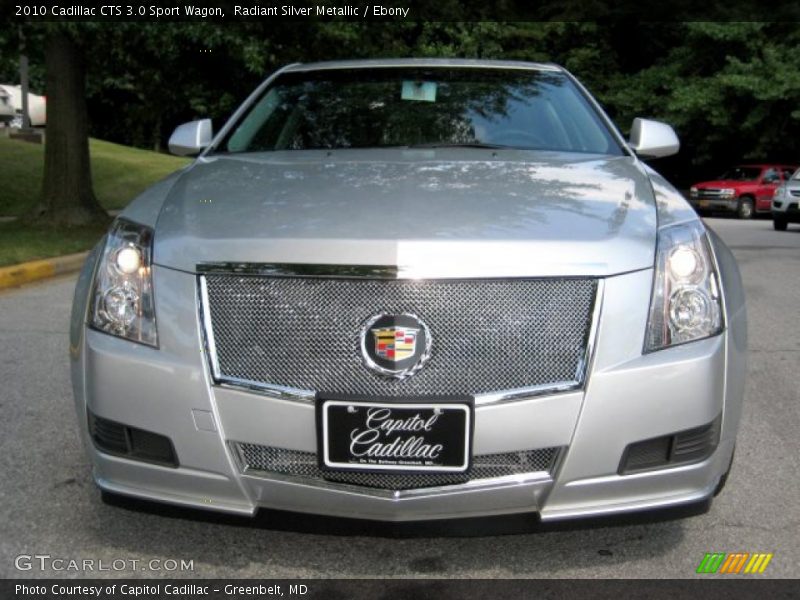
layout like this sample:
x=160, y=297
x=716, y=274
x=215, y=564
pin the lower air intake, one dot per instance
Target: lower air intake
x=130, y=442
x=681, y=448
x=266, y=460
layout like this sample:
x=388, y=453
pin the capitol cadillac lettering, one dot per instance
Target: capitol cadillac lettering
x=150, y=590
x=370, y=442
x=396, y=436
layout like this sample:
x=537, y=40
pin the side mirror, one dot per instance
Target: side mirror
x=191, y=138
x=653, y=139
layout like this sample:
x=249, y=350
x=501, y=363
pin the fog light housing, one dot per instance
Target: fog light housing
x=680, y=448
x=131, y=442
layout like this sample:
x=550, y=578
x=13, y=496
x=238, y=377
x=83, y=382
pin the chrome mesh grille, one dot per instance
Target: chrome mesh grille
x=488, y=335
x=293, y=463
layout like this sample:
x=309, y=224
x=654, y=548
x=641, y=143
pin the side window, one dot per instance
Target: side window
x=770, y=176
x=787, y=174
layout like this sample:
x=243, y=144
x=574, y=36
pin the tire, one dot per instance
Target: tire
x=779, y=224
x=746, y=208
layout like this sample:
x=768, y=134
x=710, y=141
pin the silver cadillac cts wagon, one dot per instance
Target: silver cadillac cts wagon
x=412, y=289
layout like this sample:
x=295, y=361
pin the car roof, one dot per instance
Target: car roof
x=421, y=62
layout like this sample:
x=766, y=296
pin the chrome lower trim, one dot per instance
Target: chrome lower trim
x=298, y=395
x=366, y=272
x=560, y=387
x=266, y=389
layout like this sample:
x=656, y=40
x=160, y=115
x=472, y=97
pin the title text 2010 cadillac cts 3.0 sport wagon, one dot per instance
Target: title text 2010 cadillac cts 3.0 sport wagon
x=412, y=289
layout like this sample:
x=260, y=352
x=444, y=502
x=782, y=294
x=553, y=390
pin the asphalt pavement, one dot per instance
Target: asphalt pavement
x=49, y=506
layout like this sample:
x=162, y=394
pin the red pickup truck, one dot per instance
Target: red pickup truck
x=744, y=189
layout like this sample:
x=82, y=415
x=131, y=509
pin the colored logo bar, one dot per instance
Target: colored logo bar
x=734, y=563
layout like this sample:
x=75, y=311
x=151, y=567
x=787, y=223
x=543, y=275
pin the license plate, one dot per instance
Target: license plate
x=395, y=436
x=704, y=204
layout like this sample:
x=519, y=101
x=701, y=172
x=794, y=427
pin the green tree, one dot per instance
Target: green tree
x=730, y=89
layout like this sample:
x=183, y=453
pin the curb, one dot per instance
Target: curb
x=27, y=272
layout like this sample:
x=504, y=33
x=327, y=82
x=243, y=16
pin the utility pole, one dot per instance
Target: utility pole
x=23, y=80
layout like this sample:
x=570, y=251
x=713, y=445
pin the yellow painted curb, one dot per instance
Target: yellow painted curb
x=35, y=270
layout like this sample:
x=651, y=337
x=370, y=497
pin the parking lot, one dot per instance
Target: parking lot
x=50, y=506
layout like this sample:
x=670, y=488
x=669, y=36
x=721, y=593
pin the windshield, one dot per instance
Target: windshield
x=373, y=108
x=742, y=174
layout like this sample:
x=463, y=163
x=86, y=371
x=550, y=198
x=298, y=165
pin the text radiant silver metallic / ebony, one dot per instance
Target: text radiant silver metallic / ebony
x=412, y=289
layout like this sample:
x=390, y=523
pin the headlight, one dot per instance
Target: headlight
x=727, y=193
x=686, y=303
x=693, y=192
x=780, y=193
x=122, y=300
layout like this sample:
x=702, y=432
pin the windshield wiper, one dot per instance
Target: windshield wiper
x=460, y=145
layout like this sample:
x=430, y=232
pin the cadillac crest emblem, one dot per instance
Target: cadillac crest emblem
x=395, y=345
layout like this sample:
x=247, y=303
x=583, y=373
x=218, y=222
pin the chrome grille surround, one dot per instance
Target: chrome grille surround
x=268, y=461
x=294, y=335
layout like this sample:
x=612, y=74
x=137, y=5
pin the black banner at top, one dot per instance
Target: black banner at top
x=400, y=10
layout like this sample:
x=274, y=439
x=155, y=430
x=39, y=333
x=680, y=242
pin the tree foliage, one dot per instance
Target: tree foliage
x=731, y=89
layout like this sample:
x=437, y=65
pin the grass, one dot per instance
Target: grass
x=119, y=173
x=21, y=243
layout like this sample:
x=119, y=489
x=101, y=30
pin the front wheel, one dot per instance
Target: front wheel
x=779, y=224
x=745, y=209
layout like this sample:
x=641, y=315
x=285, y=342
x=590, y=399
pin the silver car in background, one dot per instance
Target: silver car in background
x=786, y=203
x=412, y=289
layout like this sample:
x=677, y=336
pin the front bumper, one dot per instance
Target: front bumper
x=628, y=397
x=786, y=210
x=715, y=204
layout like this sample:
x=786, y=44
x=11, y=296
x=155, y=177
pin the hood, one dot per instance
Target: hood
x=433, y=213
